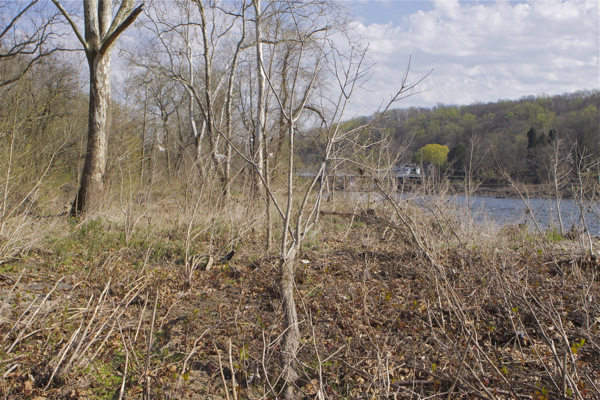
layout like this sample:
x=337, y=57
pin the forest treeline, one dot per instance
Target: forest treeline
x=168, y=125
x=523, y=138
x=207, y=93
x=44, y=118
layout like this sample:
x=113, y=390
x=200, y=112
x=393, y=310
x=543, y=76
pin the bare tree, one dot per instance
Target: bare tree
x=101, y=33
x=559, y=171
x=298, y=103
x=258, y=137
x=26, y=37
x=199, y=48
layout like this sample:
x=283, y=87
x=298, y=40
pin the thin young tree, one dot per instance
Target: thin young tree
x=300, y=104
x=258, y=137
x=100, y=34
x=559, y=172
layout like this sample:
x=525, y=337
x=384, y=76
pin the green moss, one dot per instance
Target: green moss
x=106, y=379
x=554, y=236
x=359, y=224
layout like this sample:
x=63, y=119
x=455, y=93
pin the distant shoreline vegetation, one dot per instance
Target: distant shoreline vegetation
x=533, y=140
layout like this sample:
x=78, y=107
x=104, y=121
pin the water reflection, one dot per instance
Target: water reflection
x=507, y=211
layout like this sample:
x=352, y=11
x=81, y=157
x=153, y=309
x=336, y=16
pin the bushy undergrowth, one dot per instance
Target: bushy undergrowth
x=96, y=308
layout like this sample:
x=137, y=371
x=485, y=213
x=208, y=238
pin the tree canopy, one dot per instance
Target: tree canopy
x=517, y=133
x=432, y=153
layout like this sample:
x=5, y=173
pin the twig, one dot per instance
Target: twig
x=222, y=374
x=147, y=388
x=564, y=393
x=232, y=372
x=87, y=328
x=99, y=330
x=126, y=364
x=462, y=363
x=33, y=316
x=194, y=349
x=16, y=324
x=137, y=331
x=11, y=369
x=12, y=359
x=62, y=354
x=264, y=366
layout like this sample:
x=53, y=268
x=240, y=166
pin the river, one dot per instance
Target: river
x=512, y=211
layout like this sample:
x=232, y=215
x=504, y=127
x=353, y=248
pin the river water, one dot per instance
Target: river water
x=512, y=211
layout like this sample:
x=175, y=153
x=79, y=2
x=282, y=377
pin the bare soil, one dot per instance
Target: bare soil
x=378, y=320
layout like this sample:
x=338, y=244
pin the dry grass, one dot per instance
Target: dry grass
x=97, y=308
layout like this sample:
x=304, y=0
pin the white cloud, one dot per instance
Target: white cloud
x=485, y=51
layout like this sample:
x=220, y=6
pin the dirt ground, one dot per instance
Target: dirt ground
x=98, y=318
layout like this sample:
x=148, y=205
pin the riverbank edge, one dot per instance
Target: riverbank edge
x=528, y=191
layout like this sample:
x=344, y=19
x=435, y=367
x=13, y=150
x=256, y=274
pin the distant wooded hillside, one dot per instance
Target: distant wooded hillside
x=521, y=138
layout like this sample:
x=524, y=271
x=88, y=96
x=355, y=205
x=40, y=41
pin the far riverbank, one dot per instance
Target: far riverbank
x=539, y=191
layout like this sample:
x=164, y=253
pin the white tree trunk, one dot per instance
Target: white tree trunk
x=101, y=32
x=260, y=108
x=91, y=188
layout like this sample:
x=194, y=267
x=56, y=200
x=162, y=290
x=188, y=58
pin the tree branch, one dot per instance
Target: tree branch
x=125, y=6
x=14, y=20
x=113, y=36
x=29, y=65
x=64, y=12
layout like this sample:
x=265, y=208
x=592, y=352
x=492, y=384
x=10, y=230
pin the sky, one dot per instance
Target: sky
x=477, y=51
x=473, y=51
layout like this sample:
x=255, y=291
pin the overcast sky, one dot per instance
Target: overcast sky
x=478, y=50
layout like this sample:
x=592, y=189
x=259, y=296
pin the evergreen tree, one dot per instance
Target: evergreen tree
x=458, y=157
x=542, y=140
x=531, y=138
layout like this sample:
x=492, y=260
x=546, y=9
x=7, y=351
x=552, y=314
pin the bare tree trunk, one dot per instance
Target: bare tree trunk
x=167, y=150
x=260, y=108
x=228, y=117
x=91, y=187
x=144, y=135
x=199, y=140
x=557, y=182
x=269, y=240
x=101, y=32
x=209, y=111
x=469, y=192
x=191, y=111
x=291, y=336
